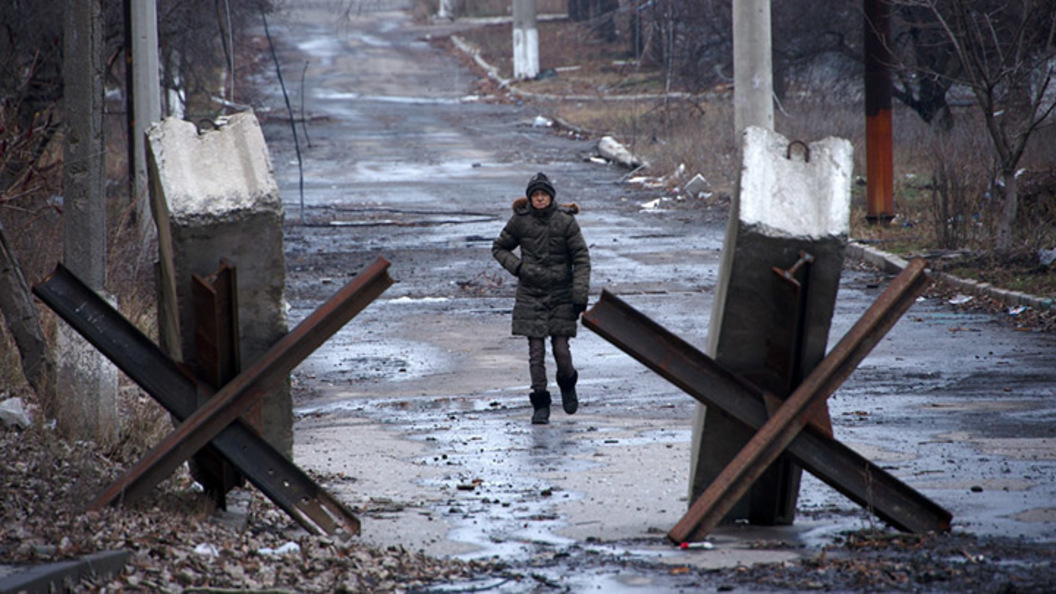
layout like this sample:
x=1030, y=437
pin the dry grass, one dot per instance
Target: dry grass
x=32, y=218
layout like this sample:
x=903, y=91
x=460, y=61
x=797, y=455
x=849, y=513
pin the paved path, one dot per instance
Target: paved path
x=417, y=414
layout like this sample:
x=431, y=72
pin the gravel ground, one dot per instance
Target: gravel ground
x=177, y=540
x=179, y=544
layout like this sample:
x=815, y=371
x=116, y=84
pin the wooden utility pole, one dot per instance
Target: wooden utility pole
x=753, y=83
x=878, y=136
x=525, y=40
x=87, y=385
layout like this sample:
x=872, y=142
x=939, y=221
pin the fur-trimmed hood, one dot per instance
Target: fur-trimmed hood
x=523, y=206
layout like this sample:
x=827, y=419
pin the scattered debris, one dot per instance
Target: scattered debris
x=1047, y=257
x=542, y=122
x=175, y=540
x=697, y=545
x=14, y=414
x=610, y=149
x=652, y=204
x=696, y=187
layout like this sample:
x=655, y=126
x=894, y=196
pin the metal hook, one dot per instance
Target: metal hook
x=806, y=150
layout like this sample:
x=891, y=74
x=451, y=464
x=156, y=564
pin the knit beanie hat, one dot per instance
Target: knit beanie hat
x=539, y=181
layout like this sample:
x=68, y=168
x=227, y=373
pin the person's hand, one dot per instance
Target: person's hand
x=579, y=308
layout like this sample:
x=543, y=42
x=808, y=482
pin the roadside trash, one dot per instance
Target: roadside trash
x=696, y=186
x=960, y=299
x=1047, y=257
x=286, y=549
x=1015, y=311
x=13, y=413
x=207, y=550
x=696, y=545
x=612, y=150
x=541, y=122
x=651, y=204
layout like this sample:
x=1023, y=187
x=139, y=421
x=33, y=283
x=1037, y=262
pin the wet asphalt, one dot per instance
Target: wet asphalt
x=416, y=413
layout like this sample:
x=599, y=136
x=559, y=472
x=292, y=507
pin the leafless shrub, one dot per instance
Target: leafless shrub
x=959, y=176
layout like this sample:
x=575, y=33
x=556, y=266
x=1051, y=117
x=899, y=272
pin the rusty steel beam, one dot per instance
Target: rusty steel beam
x=786, y=350
x=714, y=385
x=279, y=479
x=779, y=431
x=236, y=396
x=216, y=362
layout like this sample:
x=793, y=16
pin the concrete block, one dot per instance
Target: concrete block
x=785, y=205
x=214, y=197
x=696, y=186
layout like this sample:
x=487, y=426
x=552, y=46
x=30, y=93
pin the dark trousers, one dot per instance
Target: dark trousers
x=537, y=359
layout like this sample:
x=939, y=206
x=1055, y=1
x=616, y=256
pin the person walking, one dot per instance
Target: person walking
x=553, y=280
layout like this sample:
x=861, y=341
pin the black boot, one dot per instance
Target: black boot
x=541, y=403
x=568, y=392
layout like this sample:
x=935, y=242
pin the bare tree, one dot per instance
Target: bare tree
x=1006, y=50
x=23, y=320
x=599, y=14
x=927, y=65
x=695, y=37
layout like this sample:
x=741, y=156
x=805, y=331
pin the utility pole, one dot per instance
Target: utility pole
x=87, y=384
x=744, y=300
x=144, y=101
x=525, y=40
x=753, y=82
x=879, y=169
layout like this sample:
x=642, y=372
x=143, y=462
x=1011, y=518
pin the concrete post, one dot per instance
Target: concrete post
x=753, y=83
x=446, y=10
x=146, y=102
x=525, y=40
x=785, y=204
x=87, y=382
x=215, y=196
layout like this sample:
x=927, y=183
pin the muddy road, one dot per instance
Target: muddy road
x=416, y=413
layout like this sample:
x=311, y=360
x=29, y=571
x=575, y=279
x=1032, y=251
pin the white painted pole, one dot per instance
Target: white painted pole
x=525, y=40
x=753, y=83
x=146, y=79
x=446, y=10
x=86, y=389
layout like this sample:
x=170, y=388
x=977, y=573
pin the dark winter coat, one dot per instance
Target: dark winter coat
x=553, y=269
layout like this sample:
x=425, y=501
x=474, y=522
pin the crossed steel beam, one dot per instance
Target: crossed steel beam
x=217, y=420
x=788, y=429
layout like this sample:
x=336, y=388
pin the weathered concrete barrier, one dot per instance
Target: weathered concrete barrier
x=793, y=198
x=214, y=196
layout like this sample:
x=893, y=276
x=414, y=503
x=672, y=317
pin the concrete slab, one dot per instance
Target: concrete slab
x=215, y=197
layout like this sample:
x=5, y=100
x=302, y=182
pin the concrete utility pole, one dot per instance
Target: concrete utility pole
x=146, y=102
x=525, y=40
x=446, y=10
x=753, y=82
x=87, y=384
